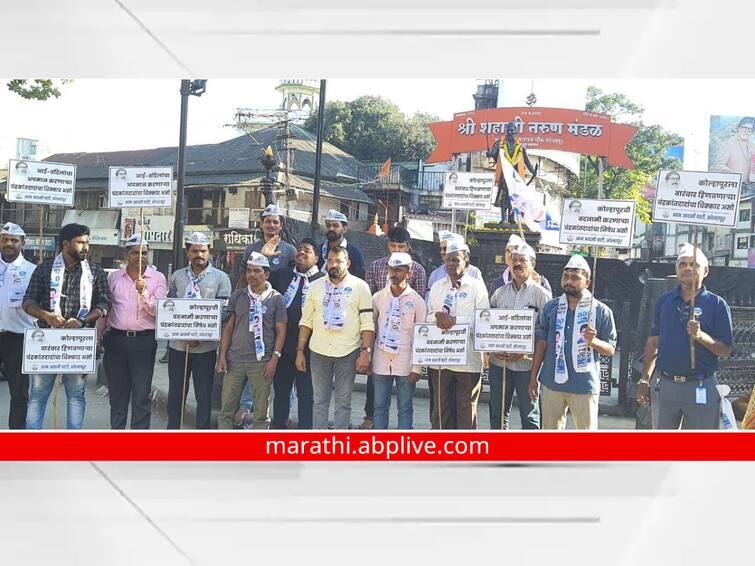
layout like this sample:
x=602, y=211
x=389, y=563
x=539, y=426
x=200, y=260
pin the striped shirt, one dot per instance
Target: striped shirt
x=377, y=275
x=530, y=295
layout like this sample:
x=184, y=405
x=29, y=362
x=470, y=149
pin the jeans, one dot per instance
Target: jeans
x=328, y=372
x=404, y=394
x=285, y=376
x=41, y=387
x=516, y=381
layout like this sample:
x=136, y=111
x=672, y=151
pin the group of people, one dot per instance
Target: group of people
x=312, y=317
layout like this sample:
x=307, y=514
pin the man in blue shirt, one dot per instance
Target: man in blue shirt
x=574, y=330
x=678, y=390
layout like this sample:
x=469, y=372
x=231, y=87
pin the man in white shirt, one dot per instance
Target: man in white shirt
x=453, y=301
x=15, y=273
x=444, y=237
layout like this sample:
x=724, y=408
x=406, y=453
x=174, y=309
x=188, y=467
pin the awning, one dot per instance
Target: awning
x=94, y=219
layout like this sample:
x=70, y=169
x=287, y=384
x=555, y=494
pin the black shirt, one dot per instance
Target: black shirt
x=280, y=279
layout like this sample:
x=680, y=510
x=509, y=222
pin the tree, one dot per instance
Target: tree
x=647, y=150
x=36, y=89
x=372, y=128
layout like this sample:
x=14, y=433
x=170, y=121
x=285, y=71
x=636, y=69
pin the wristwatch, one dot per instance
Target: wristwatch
x=82, y=321
x=277, y=353
x=367, y=349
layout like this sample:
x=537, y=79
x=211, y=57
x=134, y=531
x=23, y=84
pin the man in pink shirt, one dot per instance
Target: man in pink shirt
x=396, y=309
x=129, y=341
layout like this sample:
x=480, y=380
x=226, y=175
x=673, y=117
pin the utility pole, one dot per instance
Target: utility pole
x=318, y=159
x=193, y=88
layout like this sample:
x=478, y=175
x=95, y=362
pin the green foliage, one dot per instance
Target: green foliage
x=647, y=150
x=372, y=128
x=36, y=89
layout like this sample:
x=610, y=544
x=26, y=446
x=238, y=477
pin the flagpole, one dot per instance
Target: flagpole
x=692, y=300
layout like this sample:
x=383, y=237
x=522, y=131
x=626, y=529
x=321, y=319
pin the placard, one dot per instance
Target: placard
x=60, y=350
x=238, y=218
x=697, y=197
x=198, y=320
x=140, y=187
x=473, y=191
x=41, y=182
x=511, y=331
x=435, y=347
x=592, y=222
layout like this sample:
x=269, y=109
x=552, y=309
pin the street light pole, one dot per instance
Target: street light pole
x=195, y=88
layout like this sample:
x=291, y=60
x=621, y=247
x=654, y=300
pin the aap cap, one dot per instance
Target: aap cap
x=135, y=240
x=524, y=249
x=13, y=230
x=578, y=262
x=444, y=235
x=687, y=250
x=455, y=245
x=198, y=238
x=258, y=259
x=399, y=259
x=272, y=210
x=515, y=240
x=335, y=215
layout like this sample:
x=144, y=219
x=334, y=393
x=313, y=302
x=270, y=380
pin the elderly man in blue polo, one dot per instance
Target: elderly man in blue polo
x=573, y=331
x=679, y=391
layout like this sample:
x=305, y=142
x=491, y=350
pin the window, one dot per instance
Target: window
x=742, y=243
x=744, y=215
x=752, y=241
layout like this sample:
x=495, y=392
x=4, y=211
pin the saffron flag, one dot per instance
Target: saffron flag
x=385, y=170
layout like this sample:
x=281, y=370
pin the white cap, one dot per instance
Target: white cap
x=399, y=259
x=578, y=262
x=524, y=249
x=335, y=215
x=135, y=240
x=13, y=230
x=455, y=245
x=270, y=210
x=515, y=240
x=198, y=238
x=444, y=235
x=687, y=250
x=258, y=259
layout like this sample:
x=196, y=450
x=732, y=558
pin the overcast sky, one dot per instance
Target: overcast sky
x=107, y=115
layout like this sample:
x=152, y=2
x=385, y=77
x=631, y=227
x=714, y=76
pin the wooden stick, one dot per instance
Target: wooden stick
x=692, y=300
x=594, y=277
x=185, y=387
x=440, y=415
x=748, y=422
x=55, y=387
x=521, y=230
x=41, y=230
x=503, y=394
x=141, y=248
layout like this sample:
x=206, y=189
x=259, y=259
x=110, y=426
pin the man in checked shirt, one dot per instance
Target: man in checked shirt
x=377, y=279
x=65, y=292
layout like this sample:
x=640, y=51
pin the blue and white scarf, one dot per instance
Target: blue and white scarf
x=581, y=354
x=324, y=253
x=290, y=293
x=334, y=307
x=56, y=284
x=256, y=310
x=193, y=291
x=449, y=303
x=388, y=338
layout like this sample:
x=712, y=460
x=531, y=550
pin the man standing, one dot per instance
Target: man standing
x=569, y=353
x=129, y=341
x=337, y=315
x=505, y=277
x=440, y=273
x=397, y=308
x=252, y=342
x=279, y=253
x=200, y=280
x=453, y=300
x=294, y=285
x=520, y=293
x=65, y=292
x=15, y=273
x=683, y=392
x=377, y=279
x=336, y=226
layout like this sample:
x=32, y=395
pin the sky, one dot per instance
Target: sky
x=108, y=114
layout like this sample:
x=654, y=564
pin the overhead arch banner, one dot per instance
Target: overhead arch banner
x=561, y=129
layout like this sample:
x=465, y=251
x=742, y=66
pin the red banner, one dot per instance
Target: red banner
x=358, y=445
x=562, y=129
